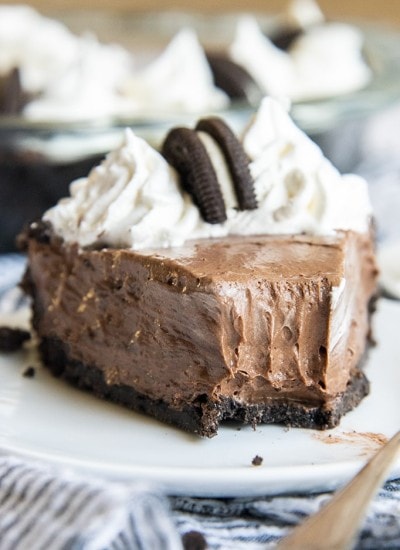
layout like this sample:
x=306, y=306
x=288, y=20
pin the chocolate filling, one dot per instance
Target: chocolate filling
x=203, y=416
x=252, y=329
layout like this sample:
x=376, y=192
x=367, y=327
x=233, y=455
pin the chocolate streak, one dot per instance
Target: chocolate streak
x=243, y=320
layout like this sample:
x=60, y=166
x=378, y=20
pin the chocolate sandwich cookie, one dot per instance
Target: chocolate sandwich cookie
x=12, y=96
x=233, y=79
x=236, y=158
x=284, y=37
x=184, y=150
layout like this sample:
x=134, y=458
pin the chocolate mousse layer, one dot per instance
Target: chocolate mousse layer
x=255, y=329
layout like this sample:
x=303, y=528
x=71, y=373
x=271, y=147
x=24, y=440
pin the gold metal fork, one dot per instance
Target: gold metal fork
x=336, y=525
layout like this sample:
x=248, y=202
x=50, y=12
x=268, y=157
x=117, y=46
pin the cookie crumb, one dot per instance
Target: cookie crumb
x=257, y=460
x=194, y=540
x=29, y=372
x=12, y=339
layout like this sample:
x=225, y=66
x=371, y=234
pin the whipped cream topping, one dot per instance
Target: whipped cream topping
x=134, y=199
x=78, y=78
x=333, y=50
x=69, y=77
x=180, y=79
x=39, y=46
x=303, y=14
x=88, y=86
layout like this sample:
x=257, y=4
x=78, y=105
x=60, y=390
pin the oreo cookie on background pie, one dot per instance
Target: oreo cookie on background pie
x=284, y=37
x=12, y=96
x=233, y=79
x=184, y=150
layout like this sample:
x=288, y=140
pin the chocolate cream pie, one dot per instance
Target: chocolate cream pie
x=197, y=289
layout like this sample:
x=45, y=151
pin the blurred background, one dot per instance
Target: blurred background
x=384, y=10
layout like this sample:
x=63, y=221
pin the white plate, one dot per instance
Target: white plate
x=42, y=418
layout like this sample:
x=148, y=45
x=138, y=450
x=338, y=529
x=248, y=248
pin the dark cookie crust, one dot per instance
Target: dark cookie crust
x=204, y=416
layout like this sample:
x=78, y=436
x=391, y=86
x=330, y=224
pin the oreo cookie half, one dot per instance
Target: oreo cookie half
x=233, y=79
x=12, y=96
x=235, y=157
x=285, y=37
x=184, y=150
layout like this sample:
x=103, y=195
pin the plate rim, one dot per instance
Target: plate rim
x=208, y=481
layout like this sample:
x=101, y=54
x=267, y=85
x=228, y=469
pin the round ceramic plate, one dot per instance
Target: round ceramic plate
x=43, y=418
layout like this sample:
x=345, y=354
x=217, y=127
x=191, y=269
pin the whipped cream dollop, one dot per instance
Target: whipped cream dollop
x=302, y=14
x=324, y=61
x=71, y=77
x=68, y=77
x=134, y=198
x=39, y=46
x=180, y=79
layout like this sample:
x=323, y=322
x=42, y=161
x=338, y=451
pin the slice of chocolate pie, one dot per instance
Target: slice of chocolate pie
x=260, y=314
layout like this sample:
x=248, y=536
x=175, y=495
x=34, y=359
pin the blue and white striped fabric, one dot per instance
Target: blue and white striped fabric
x=45, y=509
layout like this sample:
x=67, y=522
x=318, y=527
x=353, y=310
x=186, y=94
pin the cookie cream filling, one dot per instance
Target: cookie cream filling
x=221, y=170
x=40, y=47
x=134, y=199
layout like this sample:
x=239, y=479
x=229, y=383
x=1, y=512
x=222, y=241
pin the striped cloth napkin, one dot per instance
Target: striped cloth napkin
x=44, y=508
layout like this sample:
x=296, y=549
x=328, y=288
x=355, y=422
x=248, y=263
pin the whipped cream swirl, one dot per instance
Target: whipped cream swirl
x=179, y=80
x=68, y=77
x=134, y=199
x=78, y=78
x=325, y=61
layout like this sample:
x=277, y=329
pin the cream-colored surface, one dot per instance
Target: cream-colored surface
x=385, y=10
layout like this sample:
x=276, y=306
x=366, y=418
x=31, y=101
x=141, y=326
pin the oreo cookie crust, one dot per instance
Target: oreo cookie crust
x=184, y=150
x=236, y=159
x=205, y=414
